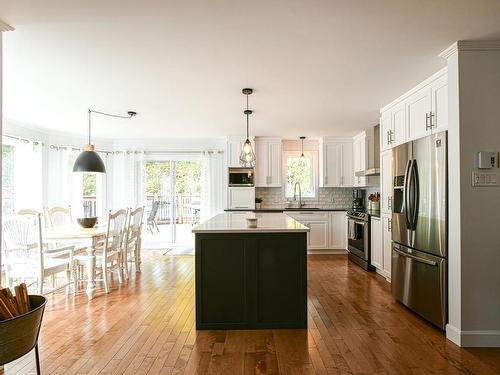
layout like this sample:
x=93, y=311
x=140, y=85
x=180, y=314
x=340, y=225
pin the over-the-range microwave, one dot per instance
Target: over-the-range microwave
x=240, y=177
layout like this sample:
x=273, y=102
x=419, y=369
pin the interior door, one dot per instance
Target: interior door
x=429, y=180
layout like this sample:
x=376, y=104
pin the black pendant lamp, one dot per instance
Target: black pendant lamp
x=247, y=156
x=89, y=161
x=302, y=157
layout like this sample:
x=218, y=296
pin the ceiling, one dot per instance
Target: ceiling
x=318, y=67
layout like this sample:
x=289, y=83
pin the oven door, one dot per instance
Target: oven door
x=357, y=237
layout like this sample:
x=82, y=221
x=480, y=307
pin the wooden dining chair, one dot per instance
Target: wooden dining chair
x=59, y=216
x=132, y=243
x=109, y=254
x=27, y=257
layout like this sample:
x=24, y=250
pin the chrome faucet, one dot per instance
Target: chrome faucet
x=301, y=204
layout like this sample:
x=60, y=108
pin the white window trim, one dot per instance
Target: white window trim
x=314, y=156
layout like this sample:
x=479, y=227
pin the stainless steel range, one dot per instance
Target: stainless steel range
x=358, y=238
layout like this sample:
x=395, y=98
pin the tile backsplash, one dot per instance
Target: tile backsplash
x=327, y=198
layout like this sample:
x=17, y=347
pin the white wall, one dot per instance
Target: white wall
x=474, y=236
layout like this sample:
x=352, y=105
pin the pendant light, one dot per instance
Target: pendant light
x=89, y=161
x=247, y=156
x=302, y=159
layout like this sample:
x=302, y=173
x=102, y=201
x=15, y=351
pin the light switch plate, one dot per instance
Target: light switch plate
x=487, y=160
x=484, y=179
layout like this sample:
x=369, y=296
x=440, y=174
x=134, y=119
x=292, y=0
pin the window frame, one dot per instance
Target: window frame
x=313, y=155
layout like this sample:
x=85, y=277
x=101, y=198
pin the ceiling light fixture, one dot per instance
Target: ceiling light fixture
x=302, y=157
x=89, y=161
x=247, y=156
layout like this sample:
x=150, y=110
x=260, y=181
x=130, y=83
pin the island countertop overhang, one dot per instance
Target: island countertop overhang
x=236, y=223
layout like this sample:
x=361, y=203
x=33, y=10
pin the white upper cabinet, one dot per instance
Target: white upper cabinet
x=347, y=168
x=393, y=127
x=268, y=162
x=363, y=156
x=386, y=185
x=336, y=168
x=234, y=145
x=421, y=111
x=439, y=112
x=419, y=108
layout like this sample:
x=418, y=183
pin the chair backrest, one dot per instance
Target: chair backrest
x=134, y=225
x=116, y=229
x=59, y=216
x=32, y=213
x=154, y=210
x=22, y=236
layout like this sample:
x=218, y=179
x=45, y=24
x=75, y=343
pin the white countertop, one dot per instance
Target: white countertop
x=234, y=222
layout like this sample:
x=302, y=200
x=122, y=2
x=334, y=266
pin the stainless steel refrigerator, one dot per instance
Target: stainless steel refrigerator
x=420, y=226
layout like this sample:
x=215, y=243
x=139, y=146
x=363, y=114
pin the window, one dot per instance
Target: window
x=301, y=170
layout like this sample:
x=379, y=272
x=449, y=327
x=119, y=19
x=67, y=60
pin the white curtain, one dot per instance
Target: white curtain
x=128, y=179
x=212, y=184
x=28, y=188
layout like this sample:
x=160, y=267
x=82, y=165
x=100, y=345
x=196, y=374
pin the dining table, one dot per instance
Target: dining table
x=88, y=237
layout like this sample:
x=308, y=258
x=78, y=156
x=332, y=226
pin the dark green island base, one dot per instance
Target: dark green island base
x=251, y=280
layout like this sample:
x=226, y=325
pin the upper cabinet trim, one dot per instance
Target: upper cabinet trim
x=415, y=89
x=470, y=45
x=5, y=27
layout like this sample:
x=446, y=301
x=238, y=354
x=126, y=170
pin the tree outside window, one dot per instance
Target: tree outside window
x=301, y=170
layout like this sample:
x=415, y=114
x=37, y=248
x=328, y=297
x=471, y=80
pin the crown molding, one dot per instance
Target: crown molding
x=5, y=27
x=471, y=45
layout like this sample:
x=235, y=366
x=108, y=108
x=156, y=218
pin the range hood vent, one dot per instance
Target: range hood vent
x=368, y=172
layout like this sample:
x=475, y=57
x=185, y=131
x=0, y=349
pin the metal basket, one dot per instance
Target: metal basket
x=19, y=335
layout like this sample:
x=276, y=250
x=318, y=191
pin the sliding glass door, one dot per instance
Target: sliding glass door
x=173, y=195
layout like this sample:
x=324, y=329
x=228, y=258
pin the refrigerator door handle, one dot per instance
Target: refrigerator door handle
x=416, y=258
x=406, y=193
x=416, y=194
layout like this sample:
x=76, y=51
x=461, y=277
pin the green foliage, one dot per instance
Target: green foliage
x=187, y=177
x=299, y=171
x=89, y=184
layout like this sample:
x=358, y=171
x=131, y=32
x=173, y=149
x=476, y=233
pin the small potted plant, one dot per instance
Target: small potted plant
x=258, y=202
x=374, y=202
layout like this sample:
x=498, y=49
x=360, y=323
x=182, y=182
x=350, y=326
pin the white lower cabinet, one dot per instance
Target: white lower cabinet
x=241, y=198
x=376, y=241
x=327, y=228
x=381, y=244
x=338, y=230
x=387, y=243
x=318, y=235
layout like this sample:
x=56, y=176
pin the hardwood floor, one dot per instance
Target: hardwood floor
x=147, y=327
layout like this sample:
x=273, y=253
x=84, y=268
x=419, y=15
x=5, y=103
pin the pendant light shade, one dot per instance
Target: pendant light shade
x=302, y=157
x=89, y=161
x=247, y=155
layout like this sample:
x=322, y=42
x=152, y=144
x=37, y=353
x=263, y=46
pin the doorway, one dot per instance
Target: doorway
x=173, y=201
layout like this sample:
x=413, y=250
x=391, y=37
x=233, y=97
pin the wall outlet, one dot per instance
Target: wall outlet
x=484, y=179
x=487, y=160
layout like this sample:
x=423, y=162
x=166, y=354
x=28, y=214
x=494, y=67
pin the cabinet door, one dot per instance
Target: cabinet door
x=274, y=164
x=419, y=106
x=233, y=152
x=398, y=135
x=338, y=230
x=440, y=104
x=241, y=198
x=377, y=244
x=261, y=164
x=385, y=130
x=386, y=186
x=347, y=174
x=318, y=235
x=332, y=164
x=387, y=243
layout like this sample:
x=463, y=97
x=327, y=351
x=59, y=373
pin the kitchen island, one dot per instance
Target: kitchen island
x=251, y=277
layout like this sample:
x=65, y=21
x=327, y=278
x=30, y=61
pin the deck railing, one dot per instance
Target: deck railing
x=187, y=208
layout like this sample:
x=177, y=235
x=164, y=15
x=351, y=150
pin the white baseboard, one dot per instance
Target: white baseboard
x=385, y=274
x=327, y=251
x=473, y=339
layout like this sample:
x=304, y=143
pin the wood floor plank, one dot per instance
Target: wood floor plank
x=146, y=326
